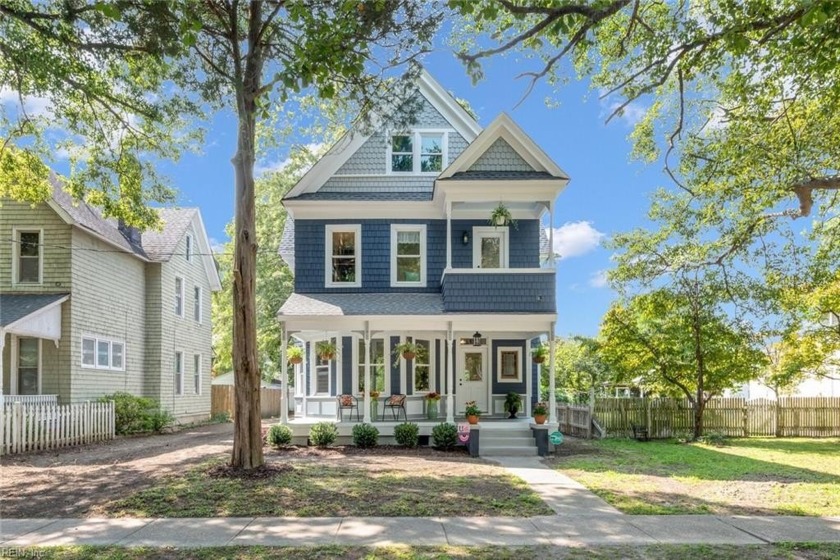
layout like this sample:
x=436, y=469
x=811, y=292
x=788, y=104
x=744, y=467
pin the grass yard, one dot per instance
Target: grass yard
x=746, y=476
x=376, y=486
x=658, y=552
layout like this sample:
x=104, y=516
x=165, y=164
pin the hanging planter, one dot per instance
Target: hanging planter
x=539, y=354
x=294, y=355
x=408, y=350
x=326, y=350
x=501, y=217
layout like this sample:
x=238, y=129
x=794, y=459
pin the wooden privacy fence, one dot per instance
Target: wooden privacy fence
x=221, y=400
x=789, y=416
x=33, y=427
x=575, y=420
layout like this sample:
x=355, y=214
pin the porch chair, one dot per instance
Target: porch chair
x=395, y=403
x=349, y=402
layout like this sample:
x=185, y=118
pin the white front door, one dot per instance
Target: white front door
x=472, y=377
x=490, y=247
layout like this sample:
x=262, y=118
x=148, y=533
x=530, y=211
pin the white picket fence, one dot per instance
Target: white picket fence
x=33, y=427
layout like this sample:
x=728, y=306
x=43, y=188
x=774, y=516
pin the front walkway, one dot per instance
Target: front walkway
x=591, y=530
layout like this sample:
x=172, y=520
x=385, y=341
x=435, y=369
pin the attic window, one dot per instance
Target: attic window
x=431, y=153
x=402, y=153
x=418, y=152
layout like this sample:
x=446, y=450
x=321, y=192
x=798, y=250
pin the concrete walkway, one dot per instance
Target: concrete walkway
x=565, y=496
x=589, y=530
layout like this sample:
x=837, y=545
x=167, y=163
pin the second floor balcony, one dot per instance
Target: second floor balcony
x=523, y=290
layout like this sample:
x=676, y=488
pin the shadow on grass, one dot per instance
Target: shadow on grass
x=829, y=446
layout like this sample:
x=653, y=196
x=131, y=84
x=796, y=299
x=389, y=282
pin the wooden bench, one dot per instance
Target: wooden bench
x=640, y=433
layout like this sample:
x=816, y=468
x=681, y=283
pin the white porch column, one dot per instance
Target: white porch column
x=529, y=377
x=551, y=233
x=552, y=378
x=367, y=372
x=284, y=366
x=450, y=376
x=448, y=235
x=2, y=345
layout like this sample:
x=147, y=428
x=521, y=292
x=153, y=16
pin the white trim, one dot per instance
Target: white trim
x=14, y=359
x=180, y=313
x=199, y=374
x=11, y=326
x=448, y=107
x=503, y=233
x=178, y=384
x=200, y=306
x=496, y=271
x=518, y=350
x=16, y=231
x=313, y=370
x=416, y=133
x=386, y=361
x=430, y=364
x=206, y=253
x=96, y=340
x=188, y=250
x=329, y=229
x=395, y=231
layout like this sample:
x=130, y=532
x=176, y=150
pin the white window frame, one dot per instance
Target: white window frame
x=520, y=365
x=395, y=230
x=197, y=380
x=110, y=342
x=490, y=231
x=198, y=308
x=315, y=360
x=178, y=382
x=359, y=363
x=180, y=294
x=14, y=356
x=329, y=229
x=430, y=363
x=416, y=146
x=189, y=248
x=16, y=231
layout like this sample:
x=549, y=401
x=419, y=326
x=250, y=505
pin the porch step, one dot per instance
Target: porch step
x=498, y=441
x=508, y=451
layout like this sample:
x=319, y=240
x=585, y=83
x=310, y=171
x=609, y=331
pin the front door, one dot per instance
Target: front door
x=472, y=377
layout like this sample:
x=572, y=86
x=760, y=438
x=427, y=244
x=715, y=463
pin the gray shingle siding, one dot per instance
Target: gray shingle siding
x=376, y=252
x=500, y=157
x=499, y=292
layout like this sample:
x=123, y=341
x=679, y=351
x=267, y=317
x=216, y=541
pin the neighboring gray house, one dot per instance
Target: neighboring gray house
x=389, y=239
x=89, y=307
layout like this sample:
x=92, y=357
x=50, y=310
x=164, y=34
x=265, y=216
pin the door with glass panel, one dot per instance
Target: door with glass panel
x=28, y=366
x=472, y=377
x=490, y=248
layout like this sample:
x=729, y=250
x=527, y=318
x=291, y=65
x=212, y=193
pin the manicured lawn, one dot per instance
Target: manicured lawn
x=658, y=552
x=746, y=476
x=335, y=488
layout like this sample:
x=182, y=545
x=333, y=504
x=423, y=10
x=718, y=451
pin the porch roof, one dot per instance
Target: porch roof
x=37, y=315
x=339, y=305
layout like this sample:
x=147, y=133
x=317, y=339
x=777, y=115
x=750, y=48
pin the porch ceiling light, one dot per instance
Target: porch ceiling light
x=477, y=339
x=466, y=238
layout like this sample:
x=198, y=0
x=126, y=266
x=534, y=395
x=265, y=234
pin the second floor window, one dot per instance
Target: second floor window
x=343, y=252
x=408, y=255
x=29, y=257
x=197, y=303
x=179, y=297
x=188, y=253
x=402, y=153
x=417, y=152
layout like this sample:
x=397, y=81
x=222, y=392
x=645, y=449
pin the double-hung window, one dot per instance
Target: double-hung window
x=179, y=373
x=179, y=296
x=418, y=151
x=322, y=375
x=188, y=252
x=103, y=353
x=197, y=303
x=197, y=373
x=28, y=257
x=422, y=379
x=343, y=256
x=408, y=255
x=376, y=359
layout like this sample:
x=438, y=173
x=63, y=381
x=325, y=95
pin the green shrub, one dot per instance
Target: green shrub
x=135, y=414
x=323, y=434
x=365, y=435
x=407, y=434
x=221, y=417
x=445, y=436
x=717, y=439
x=159, y=419
x=279, y=435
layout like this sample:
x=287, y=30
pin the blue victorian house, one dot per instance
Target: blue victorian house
x=390, y=240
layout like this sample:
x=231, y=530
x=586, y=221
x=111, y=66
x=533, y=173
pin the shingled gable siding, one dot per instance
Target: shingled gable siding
x=376, y=249
x=500, y=156
x=172, y=333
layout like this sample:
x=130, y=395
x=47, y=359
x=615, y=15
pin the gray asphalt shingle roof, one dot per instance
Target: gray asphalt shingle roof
x=500, y=176
x=367, y=196
x=160, y=245
x=17, y=306
x=363, y=304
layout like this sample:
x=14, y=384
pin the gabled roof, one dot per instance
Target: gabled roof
x=503, y=127
x=339, y=153
x=160, y=245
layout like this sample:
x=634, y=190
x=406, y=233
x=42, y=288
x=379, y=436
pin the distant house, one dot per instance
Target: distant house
x=390, y=241
x=89, y=307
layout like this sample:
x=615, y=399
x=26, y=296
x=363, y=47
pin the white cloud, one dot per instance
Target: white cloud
x=33, y=105
x=598, y=279
x=265, y=167
x=217, y=246
x=631, y=114
x=574, y=239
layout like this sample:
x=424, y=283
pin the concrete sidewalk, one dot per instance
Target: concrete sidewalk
x=578, y=530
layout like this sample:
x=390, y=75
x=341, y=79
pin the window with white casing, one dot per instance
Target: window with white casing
x=490, y=247
x=343, y=256
x=103, y=353
x=197, y=304
x=422, y=370
x=418, y=151
x=408, y=255
x=197, y=373
x=179, y=296
x=179, y=373
x=28, y=257
x=509, y=364
x=322, y=375
x=29, y=366
x=189, y=249
x=377, y=364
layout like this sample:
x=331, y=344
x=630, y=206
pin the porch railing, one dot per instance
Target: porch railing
x=30, y=399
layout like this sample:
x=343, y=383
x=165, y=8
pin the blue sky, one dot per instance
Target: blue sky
x=608, y=192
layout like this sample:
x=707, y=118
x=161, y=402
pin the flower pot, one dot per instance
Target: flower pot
x=432, y=410
x=538, y=359
x=296, y=360
x=327, y=356
x=408, y=355
x=472, y=419
x=513, y=410
x=540, y=418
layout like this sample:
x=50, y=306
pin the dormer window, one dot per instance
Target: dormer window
x=419, y=151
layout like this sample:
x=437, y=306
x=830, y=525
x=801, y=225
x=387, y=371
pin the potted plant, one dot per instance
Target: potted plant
x=539, y=354
x=540, y=412
x=472, y=412
x=512, y=402
x=501, y=216
x=409, y=350
x=326, y=349
x=294, y=354
x=432, y=399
